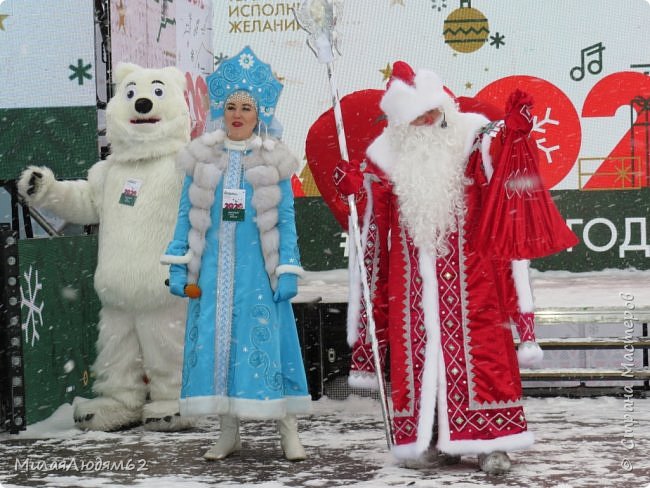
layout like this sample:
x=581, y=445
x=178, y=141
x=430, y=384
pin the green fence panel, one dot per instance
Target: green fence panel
x=321, y=239
x=59, y=315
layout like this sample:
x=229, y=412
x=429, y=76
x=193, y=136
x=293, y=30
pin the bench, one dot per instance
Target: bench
x=321, y=327
x=618, y=374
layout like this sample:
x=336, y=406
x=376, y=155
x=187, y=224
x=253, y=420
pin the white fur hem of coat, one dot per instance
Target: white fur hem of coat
x=362, y=379
x=516, y=442
x=245, y=408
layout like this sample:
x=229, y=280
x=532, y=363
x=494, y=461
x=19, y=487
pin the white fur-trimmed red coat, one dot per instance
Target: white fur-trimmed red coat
x=445, y=319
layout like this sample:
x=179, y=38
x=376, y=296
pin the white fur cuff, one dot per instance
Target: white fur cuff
x=172, y=259
x=289, y=268
x=529, y=354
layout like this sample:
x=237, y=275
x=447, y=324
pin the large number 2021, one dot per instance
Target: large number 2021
x=558, y=132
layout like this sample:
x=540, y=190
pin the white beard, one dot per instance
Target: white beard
x=428, y=177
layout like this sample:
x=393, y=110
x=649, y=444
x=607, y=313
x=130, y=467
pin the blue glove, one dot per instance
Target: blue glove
x=177, y=279
x=287, y=287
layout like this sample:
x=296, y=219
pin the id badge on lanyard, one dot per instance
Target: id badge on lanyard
x=234, y=205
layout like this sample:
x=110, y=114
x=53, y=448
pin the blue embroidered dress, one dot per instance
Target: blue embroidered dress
x=242, y=354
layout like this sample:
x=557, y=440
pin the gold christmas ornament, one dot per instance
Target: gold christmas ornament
x=466, y=29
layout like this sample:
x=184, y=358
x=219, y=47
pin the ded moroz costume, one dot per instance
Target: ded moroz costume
x=445, y=280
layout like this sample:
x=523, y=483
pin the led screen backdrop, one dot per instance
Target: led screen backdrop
x=47, y=86
x=586, y=63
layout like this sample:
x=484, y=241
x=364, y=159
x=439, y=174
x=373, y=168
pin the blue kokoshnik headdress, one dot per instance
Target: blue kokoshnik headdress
x=244, y=72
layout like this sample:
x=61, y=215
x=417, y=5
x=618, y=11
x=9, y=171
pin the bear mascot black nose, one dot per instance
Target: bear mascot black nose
x=143, y=105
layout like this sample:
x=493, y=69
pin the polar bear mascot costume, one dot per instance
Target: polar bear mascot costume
x=133, y=196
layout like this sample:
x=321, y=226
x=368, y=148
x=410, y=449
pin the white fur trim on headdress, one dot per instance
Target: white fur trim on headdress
x=256, y=143
x=402, y=103
x=268, y=144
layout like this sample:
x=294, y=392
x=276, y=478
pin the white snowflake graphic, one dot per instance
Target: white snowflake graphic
x=34, y=312
x=246, y=61
x=538, y=127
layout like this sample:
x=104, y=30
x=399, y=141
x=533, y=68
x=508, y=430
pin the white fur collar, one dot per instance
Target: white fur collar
x=208, y=148
x=381, y=153
x=264, y=170
x=253, y=142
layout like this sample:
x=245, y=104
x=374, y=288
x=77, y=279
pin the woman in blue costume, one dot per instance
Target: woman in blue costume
x=235, y=254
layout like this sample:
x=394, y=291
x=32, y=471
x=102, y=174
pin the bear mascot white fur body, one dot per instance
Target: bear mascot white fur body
x=133, y=195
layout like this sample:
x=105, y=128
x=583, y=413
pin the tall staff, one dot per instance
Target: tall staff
x=318, y=18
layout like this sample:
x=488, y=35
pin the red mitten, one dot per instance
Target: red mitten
x=518, y=118
x=348, y=177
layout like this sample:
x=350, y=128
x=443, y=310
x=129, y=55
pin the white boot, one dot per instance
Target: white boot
x=288, y=428
x=229, y=440
x=496, y=462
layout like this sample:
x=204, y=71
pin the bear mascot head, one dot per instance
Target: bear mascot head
x=147, y=116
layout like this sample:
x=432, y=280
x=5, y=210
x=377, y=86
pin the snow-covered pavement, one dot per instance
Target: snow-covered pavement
x=589, y=442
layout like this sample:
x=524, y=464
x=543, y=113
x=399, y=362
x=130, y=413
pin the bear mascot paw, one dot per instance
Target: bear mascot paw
x=133, y=195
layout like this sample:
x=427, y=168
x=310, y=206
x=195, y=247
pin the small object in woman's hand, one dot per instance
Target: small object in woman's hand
x=192, y=290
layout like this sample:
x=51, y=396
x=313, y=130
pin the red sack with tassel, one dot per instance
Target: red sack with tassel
x=519, y=218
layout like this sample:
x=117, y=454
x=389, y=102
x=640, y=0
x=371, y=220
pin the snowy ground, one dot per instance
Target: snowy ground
x=580, y=443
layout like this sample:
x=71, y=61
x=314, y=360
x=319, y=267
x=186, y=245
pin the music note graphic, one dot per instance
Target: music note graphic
x=594, y=66
x=645, y=67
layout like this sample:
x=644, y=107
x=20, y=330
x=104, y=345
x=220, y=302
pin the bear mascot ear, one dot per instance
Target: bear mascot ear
x=123, y=70
x=176, y=76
